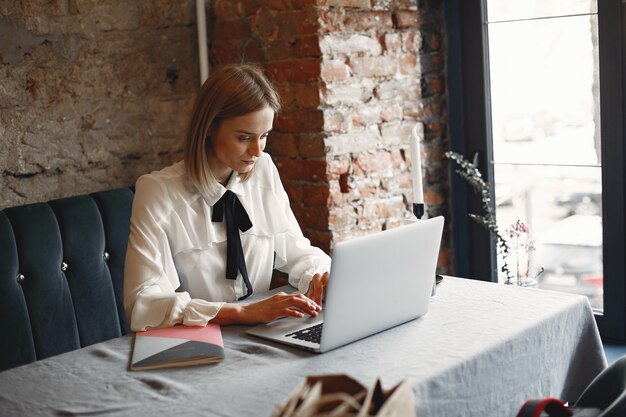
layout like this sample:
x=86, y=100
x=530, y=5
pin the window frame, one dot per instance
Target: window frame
x=469, y=111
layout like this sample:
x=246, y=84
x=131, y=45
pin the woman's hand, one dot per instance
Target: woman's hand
x=317, y=288
x=269, y=309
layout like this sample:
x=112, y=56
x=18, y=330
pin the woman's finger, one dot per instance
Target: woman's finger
x=305, y=304
x=298, y=301
x=316, y=288
x=325, y=284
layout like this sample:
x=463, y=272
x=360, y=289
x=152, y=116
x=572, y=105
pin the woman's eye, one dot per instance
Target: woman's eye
x=244, y=138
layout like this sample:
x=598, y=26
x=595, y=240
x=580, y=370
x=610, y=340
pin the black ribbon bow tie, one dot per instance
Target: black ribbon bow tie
x=236, y=219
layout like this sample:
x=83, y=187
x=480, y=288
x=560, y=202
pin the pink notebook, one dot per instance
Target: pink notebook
x=177, y=346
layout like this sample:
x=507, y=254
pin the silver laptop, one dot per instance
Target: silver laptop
x=376, y=282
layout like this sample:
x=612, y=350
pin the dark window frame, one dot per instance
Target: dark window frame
x=470, y=124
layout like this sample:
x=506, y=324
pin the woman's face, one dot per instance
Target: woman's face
x=237, y=142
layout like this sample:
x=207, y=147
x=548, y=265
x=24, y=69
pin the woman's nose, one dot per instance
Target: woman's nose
x=255, y=148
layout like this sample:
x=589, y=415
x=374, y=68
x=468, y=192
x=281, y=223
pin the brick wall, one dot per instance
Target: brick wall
x=95, y=93
x=355, y=76
x=92, y=93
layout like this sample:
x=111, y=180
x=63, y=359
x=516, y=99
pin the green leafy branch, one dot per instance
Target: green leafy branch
x=472, y=175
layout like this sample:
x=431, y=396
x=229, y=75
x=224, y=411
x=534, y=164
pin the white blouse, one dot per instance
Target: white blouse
x=175, y=269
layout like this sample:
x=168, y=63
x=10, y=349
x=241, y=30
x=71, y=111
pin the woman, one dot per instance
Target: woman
x=209, y=230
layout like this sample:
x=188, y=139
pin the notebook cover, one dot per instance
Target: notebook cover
x=177, y=346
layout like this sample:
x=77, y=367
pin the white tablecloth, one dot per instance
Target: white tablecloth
x=481, y=350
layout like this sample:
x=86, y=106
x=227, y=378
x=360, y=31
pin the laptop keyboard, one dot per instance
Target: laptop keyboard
x=311, y=334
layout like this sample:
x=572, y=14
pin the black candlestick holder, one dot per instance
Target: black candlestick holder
x=418, y=210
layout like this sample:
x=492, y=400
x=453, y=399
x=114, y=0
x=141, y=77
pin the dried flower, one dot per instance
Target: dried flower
x=517, y=228
x=518, y=233
x=469, y=171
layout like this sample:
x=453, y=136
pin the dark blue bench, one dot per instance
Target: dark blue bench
x=61, y=275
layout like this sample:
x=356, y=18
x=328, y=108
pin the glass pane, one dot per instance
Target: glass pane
x=543, y=78
x=546, y=143
x=498, y=10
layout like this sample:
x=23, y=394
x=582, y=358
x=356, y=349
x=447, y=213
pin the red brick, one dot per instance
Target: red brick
x=433, y=153
x=405, y=180
x=366, y=116
x=368, y=192
x=297, y=169
x=312, y=217
x=313, y=170
x=308, y=46
x=225, y=52
x=302, y=4
x=397, y=158
x=307, y=96
x=370, y=67
x=281, y=144
x=433, y=86
x=277, y=4
x=300, y=71
x=223, y=30
x=431, y=63
x=333, y=120
x=263, y=24
x=377, y=210
x=374, y=163
x=286, y=93
x=320, y=239
x=433, y=40
x=228, y=9
x=411, y=41
x=337, y=167
x=254, y=52
x=392, y=42
x=316, y=195
x=344, y=184
x=392, y=112
x=406, y=19
x=432, y=197
x=331, y=21
x=294, y=192
x=433, y=130
x=296, y=24
x=358, y=4
x=411, y=111
x=303, y=96
x=362, y=21
x=288, y=168
x=311, y=146
x=408, y=64
x=299, y=121
x=335, y=70
x=342, y=217
x=430, y=108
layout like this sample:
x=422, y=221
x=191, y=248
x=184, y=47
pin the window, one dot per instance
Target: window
x=535, y=91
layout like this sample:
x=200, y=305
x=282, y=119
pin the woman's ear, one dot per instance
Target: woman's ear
x=212, y=131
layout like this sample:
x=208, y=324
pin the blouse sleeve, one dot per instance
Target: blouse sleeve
x=294, y=253
x=150, y=277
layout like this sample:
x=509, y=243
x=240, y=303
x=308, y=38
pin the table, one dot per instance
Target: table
x=481, y=350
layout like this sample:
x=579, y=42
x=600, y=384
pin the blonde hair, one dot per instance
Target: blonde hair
x=230, y=91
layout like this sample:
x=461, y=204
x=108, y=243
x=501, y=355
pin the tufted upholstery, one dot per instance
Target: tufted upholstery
x=61, y=275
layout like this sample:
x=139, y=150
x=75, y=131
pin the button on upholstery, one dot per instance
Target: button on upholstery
x=106, y=256
x=20, y=278
x=64, y=266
